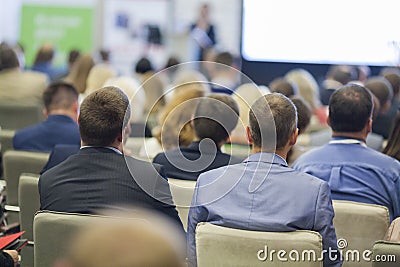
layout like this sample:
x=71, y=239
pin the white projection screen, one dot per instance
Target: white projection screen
x=356, y=32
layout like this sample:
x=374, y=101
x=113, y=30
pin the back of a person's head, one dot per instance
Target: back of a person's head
x=143, y=65
x=282, y=86
x=80, y=72
x=45, y=54
x=103, y=115
x=73, y=56
x=186, y=79
x=60, y=96
x=341, y=73
x=8, y=58
x=272, y=120
x=306, y=84
x=104, y=55
x=393, y=76
x=381, y=88
x=225, y=58
x=350, y=108
x=393, y=146
x=215, y=117
x=97, y=76
x=304, y=113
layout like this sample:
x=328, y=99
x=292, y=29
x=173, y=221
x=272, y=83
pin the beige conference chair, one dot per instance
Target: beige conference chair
x=14, y=164
x=182, y=194
x=6, y=140
x=29, y=204
x=221, y=246
x=52, y=232
x=15, y=116
x=358, y=226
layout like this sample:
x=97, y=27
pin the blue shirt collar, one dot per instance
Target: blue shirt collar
x=267, y=158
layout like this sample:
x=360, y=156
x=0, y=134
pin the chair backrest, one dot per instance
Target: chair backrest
x=6, y=140
x=52, y=232
x=393, y=233
x=221, y=246
x=16, y=116
x=17, y=162
x=182, y=194
x=385, y=254
x=358, y=226
x=29, y=203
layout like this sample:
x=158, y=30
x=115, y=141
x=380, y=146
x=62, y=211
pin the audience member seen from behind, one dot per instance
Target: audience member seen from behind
x=354, y=171
x=308, y=90
x=111, y=179
x=392, y=148
x=224, y=74
x=383, y=90
x=304, y=117
x=100, y=73
x=153, y=88
x=60, y=127
x=262, y=193
x=214, y=119
x=134, y=240
x=80, y=71
x=284, y=87
x=393, y=76
x=337, y=76
x=44, y=63
x=16, y=85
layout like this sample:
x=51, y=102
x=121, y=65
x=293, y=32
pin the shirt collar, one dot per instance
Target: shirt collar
x=108, y=147
x=267, y=158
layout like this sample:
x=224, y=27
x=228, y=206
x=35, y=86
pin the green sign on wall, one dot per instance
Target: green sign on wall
x=65, y=27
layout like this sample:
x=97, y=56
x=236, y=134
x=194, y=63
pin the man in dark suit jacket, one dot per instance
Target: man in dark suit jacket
x=214, y=119
x=99, y=176
x=61, y=109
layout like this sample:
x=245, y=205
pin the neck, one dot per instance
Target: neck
x=358, y=135
x=68, y=113
x=280, y=152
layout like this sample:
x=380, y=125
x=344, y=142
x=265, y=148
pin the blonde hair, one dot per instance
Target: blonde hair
x=174, y=121
x=98, y=75
x=307, y=85
x=80, y=71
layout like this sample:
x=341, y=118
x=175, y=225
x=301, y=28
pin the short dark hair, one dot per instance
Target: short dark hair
x=215, y=117
x=103, y=115
x=73, y=55
x=343, y=74
x=350, y=108
x=281, y=85
x=104, y=54
x=143, y=65
x=59, y=95
x=44, y=54
x=268, y=111
x=381, y=88
x=304, y=113
x=8, y=58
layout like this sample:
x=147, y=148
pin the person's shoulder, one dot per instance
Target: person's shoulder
x=383, y=160
x=312, y=155
x=27, y=131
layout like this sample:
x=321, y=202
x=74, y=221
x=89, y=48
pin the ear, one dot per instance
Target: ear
x=293, y=137
x=45, y=113
x=369, y=126
x=328, y=121
x=248, y=132
x=120, y=137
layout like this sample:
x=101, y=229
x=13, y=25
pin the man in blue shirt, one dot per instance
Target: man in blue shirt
x=262, y=193
x=61, y=109
x=354, y=171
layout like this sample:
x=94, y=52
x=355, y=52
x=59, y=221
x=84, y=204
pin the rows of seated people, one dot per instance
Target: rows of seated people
x=279, y=186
